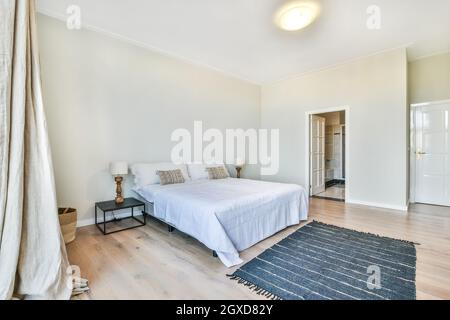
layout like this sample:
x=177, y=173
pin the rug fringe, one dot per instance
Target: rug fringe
x=368, y=233
x=255, y=288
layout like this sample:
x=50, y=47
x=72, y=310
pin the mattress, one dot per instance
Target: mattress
x=228, y=215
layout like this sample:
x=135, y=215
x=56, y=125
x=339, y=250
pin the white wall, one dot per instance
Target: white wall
x=429, y=79
x=109, y=100
x=375, y=90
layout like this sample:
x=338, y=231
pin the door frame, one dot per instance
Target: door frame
x=308, y=115
x=412, y=147
x=343, y=141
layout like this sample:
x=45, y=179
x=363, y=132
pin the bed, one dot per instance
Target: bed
x=227, y=215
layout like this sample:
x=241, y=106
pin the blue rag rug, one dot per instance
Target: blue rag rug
x=324, y=262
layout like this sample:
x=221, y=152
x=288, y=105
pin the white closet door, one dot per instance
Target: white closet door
x=433, y=154
x=317, y=154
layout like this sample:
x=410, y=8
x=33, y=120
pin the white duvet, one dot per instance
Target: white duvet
x=228, y=215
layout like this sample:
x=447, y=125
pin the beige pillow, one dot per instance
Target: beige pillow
x=217, y=173
x=170, y=176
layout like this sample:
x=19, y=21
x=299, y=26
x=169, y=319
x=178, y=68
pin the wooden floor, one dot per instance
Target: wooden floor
x=150, y=263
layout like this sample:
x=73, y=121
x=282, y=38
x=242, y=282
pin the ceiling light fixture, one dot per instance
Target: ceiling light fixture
x=296, y=15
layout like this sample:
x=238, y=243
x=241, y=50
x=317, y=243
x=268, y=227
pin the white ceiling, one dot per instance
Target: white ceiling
x=239, y=37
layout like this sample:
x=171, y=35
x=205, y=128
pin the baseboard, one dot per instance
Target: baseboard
x=85, y=222
x=378, y=205
x=91, y=221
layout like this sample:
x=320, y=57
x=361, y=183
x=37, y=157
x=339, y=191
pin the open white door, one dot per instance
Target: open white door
x=432, y=151
x=317, y=154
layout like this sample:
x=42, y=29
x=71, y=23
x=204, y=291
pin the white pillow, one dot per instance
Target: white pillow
x=145, y=173
x=198, y=171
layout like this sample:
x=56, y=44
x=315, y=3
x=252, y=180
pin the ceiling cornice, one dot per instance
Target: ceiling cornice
x=165, y=53
x=430, y=55
x=338, y=65
x=140, y=44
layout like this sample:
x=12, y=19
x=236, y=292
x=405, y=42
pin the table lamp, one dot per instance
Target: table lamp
x=119, y=169
x=239, y=164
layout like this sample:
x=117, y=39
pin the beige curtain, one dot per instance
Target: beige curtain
x=33, y=260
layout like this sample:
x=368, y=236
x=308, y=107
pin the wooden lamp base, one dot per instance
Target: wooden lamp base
x=119, y=199
x=238, y=172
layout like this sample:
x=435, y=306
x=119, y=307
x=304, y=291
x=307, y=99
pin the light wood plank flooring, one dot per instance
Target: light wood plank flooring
x=335, y=192
x=150, y=263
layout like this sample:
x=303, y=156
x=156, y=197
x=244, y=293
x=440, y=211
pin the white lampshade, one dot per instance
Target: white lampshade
x=239, y=162
x=118, y=168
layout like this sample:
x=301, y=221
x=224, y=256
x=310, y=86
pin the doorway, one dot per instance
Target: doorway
x=430, y=153
x=327, y=141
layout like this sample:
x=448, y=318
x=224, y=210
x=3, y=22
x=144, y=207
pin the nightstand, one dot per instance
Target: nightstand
x=111, y=206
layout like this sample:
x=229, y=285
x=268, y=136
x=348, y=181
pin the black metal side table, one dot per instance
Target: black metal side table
x=111, y=206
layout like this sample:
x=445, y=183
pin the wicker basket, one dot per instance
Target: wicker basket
x=68, y=222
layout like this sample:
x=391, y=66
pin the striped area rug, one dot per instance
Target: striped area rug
x=324, y=262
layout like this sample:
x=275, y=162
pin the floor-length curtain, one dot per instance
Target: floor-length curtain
x=33, y=260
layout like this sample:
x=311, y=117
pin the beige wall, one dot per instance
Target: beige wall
x=429, y=79
x=375, y=90
x=108, y=100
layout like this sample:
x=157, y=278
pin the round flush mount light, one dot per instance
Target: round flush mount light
x=296, y=15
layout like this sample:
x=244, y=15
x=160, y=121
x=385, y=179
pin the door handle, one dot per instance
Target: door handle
x=420, y=153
